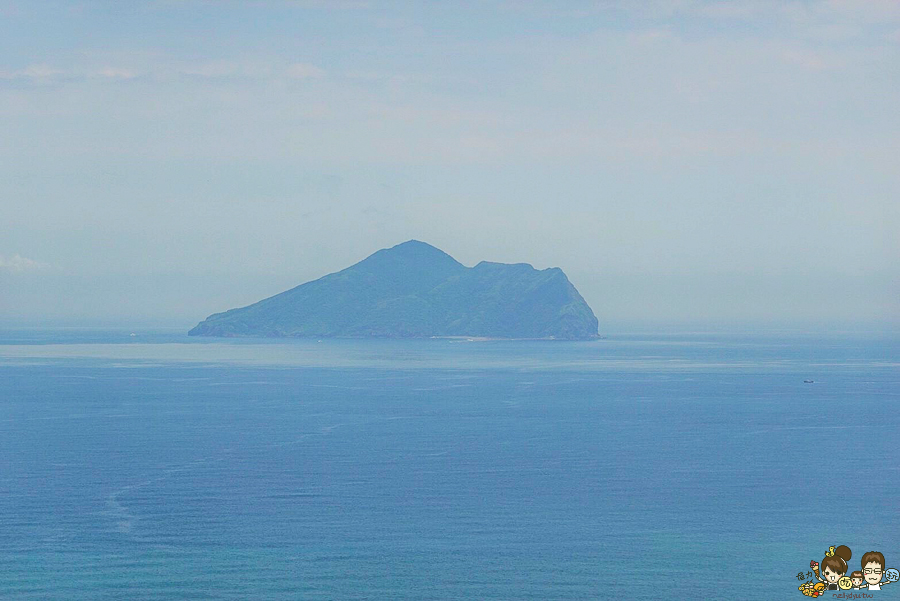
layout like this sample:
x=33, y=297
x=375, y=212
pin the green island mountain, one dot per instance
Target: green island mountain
x=414, y=290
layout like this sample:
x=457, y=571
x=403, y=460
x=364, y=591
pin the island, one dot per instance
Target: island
x=414, y=290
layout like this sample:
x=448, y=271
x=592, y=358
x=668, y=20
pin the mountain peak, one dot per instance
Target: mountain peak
x=413, y=243
x=415, y=248
x=412, y=254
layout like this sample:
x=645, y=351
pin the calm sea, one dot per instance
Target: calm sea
x=693, y=466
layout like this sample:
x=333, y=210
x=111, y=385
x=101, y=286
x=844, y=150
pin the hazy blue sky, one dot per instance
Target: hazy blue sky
x=682, y=161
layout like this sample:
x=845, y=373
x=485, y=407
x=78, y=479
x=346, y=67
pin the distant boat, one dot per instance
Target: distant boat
x=132, y=334
x=808, y=381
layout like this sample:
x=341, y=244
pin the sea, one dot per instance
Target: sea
x=682, y=465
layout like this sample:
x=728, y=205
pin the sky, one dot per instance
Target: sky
x=684, y=162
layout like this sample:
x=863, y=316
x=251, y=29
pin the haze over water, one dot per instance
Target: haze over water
x=639, y=467
x=681, y=161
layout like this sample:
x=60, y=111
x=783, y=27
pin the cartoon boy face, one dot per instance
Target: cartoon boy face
x=857, y=581
x=833, y=577
x=873, y=571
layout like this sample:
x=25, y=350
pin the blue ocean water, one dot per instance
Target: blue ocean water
x=159, y=466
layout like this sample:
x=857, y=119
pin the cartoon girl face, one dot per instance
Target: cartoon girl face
x=830, y=576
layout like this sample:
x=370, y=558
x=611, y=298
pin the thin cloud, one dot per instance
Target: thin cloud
x=248, y=70
x=116, y=73
x=44, y=73
x=36, y=72
x=304, y=71
x=807, y=59
x=871, y=11
x=19, y=264
x=330, y=4
x=226, y=69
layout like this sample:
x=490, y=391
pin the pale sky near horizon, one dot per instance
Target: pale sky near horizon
x=682, y=161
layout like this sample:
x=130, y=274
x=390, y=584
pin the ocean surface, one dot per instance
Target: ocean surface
x=641, y=466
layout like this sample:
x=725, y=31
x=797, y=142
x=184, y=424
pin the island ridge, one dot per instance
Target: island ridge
x=414, y=290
